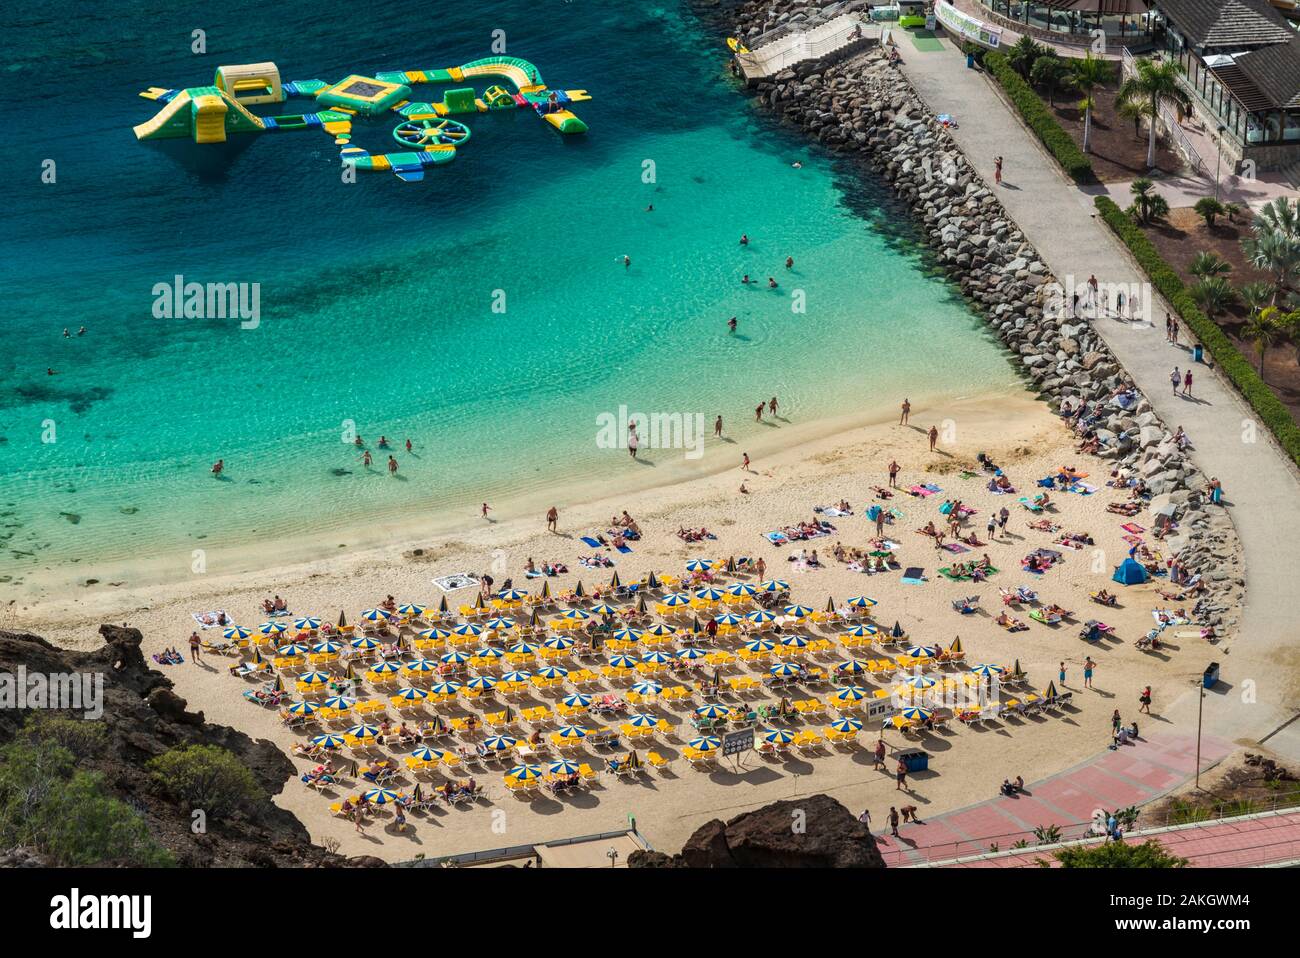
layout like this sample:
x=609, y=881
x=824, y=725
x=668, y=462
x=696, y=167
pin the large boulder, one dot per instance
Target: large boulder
x=815, y=832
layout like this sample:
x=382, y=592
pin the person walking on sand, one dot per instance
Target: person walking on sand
x=1088, y=666
x=1060, y=676
x=485, y=510
x=195, y=645
x=717, y=428
x=993, y=526
x=907, y=411
x=934, y=436
x=1144, y=701
x=552, y=519
x=893, y=474
x=893, y=821
x=760, y=567
x=900, y=776
x=744, y=461
x=771, y=407
x=1175, y=378
x=1003, y=518
x=879, y=756
x=997, y=170
x=1187, y=382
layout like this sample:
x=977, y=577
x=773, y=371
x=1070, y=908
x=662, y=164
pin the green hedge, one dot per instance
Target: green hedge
x=1238, y=368
x=1039, y=119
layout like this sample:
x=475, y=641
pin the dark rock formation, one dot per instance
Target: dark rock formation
x=143, y=718
x=814, y=832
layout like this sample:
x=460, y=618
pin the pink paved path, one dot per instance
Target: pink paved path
x=1132, y=775
x=1240, y=843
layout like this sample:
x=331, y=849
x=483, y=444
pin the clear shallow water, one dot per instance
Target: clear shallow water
x=376, y=297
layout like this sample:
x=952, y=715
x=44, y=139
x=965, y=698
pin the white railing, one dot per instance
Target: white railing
x=1170, y=118
x=814, y=44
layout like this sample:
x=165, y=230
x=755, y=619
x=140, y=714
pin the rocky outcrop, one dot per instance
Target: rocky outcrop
x=142, y=718
x=815, y=832
x=864, y=107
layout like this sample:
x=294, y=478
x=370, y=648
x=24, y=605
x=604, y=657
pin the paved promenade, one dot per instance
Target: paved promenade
x=1258, y=693
x=1132, y=775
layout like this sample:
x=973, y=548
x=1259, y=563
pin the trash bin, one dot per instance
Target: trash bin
x=970, y=61
x=916, y=760
x=1198, y=353
x=1211, y=675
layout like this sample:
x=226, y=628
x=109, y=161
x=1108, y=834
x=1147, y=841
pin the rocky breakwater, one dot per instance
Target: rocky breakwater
x=865, y=108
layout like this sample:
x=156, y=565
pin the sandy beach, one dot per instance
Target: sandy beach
x=967, y=764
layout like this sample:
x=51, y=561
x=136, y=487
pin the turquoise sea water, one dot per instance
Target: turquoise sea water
x=377, y=296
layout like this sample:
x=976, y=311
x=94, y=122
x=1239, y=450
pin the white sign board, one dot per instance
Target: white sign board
x=966, y=27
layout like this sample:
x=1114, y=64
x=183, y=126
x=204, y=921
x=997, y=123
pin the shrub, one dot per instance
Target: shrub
x=1039, y=119
x=66, y=814
x=1150, y=854
x=1272, y=413
x=205, y=777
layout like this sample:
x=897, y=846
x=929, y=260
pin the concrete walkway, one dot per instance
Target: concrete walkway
x=1132, y=775
x=1261, y=670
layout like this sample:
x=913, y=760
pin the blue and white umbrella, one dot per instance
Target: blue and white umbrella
x=500, y=623
x=919, y=682
x=524, y=648
x=290, y=650
x=412, y=609
x=773, y=585
x=525, y=773
x=660, y=628
x=268, y=628
x=728, y=618
x=647, y=687
x=916, y=713
x=412, y=695
x=517, y=675
x=798, y=611
x=708, y=594
x=985, y=669
x=713, y=711
x=426, y=754
x=329, y=741
x=236, y=632
x=422, y=665
x=306, y=622
x=500, y=743
x=489, y=652
x=742, y=588
x=512, y=595
x=786, y=669
x=624, y=661
x=760, y=616
x=760, y=645
x=923, y=651
x=563, y=767
x=482, y=683
x=573, y=731
x=851, y=694
x=691, y=654
x=559, y=642
x=643, y=720
x=628, y=635
x=705, y=743
x=339, y=703
x=851, y=667
x=862, y=602
x=657, y=658
x=467, y=628
x=860, y=630
x=603, y=608
x=304, y=708
x=575, y=614
x=326, y=647
x=778, y=736
x=699, y=565
x=315, y=678
x=445, y=688
x=455, y=657
x=676, y=599
x=374, y=615
x=364, y=642
x=380, y=796
x=386, y=668
x=435, y=634
x=363, y=731
x=795, y=641
x=847, y=724
x=578, y=700
x=552, y=672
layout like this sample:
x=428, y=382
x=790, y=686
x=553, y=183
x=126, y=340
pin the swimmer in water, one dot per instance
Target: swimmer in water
x=392, y=466
x=408, y=445
x=358, y=442
x=797, y=165
x=217, y=466
x=771, y=282
x=627, y=262
x=81, y=331
x=717, y=428
x=383, y=442
x=650, y=208
x=745, y=280
x=731, y=324
x=66, y=334
x=365, y=459
x=744, y=239
x=789, y=262
x=49, y=371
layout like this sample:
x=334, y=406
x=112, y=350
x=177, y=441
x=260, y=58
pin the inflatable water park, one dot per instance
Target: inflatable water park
x=426, y=131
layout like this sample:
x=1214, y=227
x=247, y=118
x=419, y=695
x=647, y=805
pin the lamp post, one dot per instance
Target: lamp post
x=1200, y=709
x=1218, y=142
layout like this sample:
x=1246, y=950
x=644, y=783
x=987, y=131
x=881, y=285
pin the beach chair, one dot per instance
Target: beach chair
x=657, y=761
x=587, y=773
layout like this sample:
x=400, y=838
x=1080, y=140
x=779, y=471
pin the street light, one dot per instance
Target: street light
x=1218, y=142
x=1200, y=709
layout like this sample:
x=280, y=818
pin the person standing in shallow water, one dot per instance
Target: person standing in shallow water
x=934, y=436
x=907, y=411
x=717, y=428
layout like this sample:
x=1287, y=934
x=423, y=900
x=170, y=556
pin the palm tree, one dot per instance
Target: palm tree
x=1085, y=76
x=1278, y=216
x=1135, y=111
x=1210, y=209
x=1214, y=295
x=1256, y=295
x=1206, y=264
x=1147, y=205
x=1048, y=71
x=1265, y=329
x=1154, y=84
x=1273, y=252
x=1025, y=54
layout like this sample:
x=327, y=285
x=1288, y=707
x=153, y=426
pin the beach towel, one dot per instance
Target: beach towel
x=955, y=547
x=1083, y=488
x=913, y=575
x=1031, y=506
x=776, y=538
x=210, y=620
x=457, y=580
x=931, y=486
x=967, y=474
x=920, y=491
x=593, y=542
x=897, y=513
x=1133, y=527
x=533, y=575
x=624, y=548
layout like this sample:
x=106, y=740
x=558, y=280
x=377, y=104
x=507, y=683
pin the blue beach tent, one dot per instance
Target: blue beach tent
x=1130, y=573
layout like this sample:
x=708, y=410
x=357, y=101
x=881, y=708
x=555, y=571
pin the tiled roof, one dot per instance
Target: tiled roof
x=1275, y=71
x=1227, y=23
